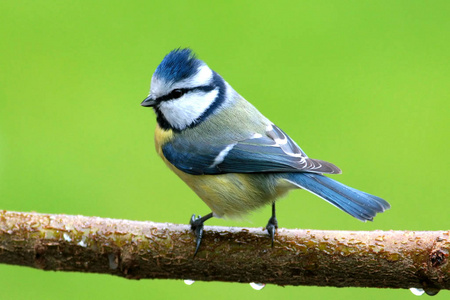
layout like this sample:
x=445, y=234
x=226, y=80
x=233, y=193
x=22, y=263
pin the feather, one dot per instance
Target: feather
x=257, y=154
x=359, y=204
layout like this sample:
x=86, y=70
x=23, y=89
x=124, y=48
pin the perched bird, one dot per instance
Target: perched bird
x=232, y=156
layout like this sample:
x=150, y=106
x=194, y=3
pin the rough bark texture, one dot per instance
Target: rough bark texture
x=137, y=250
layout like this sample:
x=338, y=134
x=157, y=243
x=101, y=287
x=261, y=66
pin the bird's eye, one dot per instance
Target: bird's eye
x=177, y=93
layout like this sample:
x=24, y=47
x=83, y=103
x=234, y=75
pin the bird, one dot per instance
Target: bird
x=233, y=157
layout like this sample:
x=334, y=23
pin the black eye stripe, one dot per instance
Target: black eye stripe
x=177, y=93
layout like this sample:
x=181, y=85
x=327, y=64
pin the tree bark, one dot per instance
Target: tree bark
x=138, y=250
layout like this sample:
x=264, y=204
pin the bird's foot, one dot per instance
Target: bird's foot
x=271, y=227
x=197, y=227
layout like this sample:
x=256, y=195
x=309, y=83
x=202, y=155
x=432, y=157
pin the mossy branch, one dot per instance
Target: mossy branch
x=137, y=250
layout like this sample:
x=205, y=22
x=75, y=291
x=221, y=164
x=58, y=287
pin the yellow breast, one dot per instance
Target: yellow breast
x=161, y=138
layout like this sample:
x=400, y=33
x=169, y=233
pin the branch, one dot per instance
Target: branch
x=384, y=259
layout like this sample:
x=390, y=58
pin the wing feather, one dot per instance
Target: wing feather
x=275, y=152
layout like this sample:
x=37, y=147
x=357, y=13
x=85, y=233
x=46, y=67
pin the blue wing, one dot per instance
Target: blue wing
x=274, y=152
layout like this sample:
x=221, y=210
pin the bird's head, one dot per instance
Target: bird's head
x=184, y=90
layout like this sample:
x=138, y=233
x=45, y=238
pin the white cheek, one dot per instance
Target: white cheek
x=182, y=112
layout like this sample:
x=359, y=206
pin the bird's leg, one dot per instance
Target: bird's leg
x=197, y=226
x=272, y=225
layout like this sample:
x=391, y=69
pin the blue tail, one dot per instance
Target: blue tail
x=360, y=205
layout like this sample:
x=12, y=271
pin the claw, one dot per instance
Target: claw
x=272, y=225
x=197, y=226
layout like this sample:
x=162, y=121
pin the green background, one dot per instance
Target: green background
x=363, y=84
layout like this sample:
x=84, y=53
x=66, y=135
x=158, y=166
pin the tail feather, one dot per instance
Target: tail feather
x=359, y=204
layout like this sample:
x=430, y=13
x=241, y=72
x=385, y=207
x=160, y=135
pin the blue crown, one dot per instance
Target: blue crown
x=179, y=64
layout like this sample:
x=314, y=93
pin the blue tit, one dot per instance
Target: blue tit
x=234, y=158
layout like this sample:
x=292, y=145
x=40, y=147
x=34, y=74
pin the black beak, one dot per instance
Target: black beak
x=149, y=101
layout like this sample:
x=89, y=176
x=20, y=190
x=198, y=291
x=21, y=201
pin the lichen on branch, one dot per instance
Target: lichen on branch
x=138, y=250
